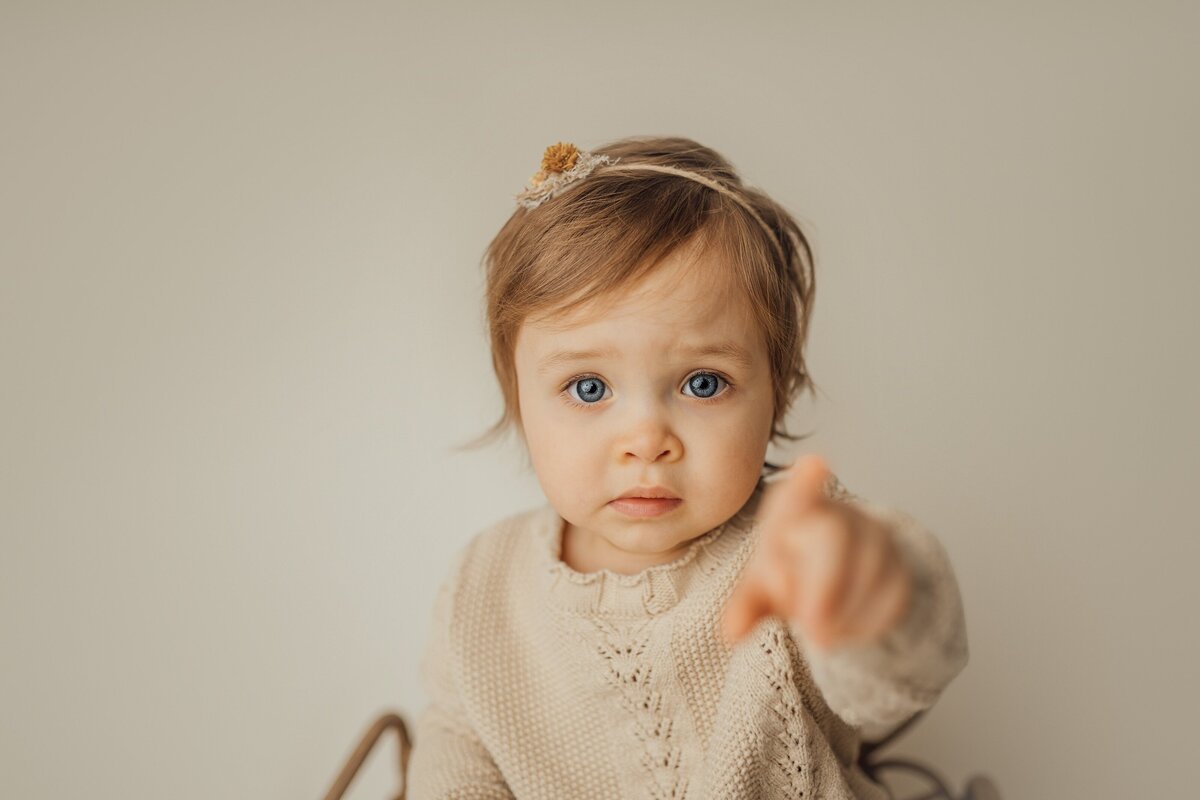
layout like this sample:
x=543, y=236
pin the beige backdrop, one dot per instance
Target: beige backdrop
x=241, y=328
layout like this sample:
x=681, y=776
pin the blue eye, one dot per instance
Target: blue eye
x=704, y=382
x=591, y=390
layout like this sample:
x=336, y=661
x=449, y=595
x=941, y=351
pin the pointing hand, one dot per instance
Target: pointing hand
x=825, y=564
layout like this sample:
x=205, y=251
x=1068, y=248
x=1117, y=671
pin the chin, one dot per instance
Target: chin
x=651, y=545
x=647, y=541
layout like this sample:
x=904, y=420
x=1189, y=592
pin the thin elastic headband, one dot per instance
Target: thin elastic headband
x=563, y=164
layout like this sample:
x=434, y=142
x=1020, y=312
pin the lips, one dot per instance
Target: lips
x=652, y=492
x=645, y=506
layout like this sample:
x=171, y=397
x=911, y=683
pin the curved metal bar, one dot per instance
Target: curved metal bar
x=386, y=721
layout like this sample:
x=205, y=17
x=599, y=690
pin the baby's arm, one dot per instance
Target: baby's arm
x=448, y=759
x=876, y=687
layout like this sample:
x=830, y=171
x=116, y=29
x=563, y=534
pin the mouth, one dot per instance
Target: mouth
x=645, y=506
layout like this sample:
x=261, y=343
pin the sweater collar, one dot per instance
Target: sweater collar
x=651, y=591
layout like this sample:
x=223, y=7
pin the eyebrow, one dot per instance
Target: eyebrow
x=734, y=352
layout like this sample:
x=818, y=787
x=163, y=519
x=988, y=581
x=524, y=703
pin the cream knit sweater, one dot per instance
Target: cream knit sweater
x=552, y=684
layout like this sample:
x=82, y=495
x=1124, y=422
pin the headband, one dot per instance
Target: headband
x=563, y=164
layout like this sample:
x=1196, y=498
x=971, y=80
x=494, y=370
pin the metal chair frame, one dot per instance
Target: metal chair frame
x=978, y=787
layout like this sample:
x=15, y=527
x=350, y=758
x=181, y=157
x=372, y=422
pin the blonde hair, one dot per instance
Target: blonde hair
x=612, y=228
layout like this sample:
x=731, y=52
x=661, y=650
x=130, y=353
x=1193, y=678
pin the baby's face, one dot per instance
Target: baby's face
x=648, y=412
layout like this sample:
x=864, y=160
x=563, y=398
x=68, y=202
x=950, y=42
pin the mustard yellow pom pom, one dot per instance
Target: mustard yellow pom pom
x=559, y=157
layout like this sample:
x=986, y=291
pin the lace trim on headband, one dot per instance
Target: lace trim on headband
x=562, y=165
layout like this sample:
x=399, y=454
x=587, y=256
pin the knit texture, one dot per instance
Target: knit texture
x=547, y=683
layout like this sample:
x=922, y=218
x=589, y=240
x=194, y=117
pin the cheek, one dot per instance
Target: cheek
x=565, y=465
x=743, y=432
x=738, y=463
x=733, y=449
x=559, y=441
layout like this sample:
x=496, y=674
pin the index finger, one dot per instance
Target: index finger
x=799, y=491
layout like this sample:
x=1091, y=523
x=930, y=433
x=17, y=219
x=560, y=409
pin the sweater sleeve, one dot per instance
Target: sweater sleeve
x=877, y=686
x=448, y=760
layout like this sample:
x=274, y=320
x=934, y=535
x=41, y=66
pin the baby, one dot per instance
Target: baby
x=681, y=619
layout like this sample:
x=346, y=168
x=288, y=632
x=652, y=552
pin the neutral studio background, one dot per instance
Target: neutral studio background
x=241, y=329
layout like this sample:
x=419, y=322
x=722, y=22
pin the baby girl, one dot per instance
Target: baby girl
x=681, y=618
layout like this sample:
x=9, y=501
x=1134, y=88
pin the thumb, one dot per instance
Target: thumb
x=748, y=603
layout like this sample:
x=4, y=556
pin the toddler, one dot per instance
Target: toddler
x=681, y=619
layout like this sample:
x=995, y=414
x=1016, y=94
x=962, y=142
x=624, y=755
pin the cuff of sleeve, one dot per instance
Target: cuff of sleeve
x=881, y=684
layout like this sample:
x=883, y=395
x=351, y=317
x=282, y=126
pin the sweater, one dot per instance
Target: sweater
x=550, y=684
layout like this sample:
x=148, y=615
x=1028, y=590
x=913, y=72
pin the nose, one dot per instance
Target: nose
x=650, y=438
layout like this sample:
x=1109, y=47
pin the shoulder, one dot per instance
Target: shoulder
x=501, y=548
x=488, y=575
x=519, y=530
